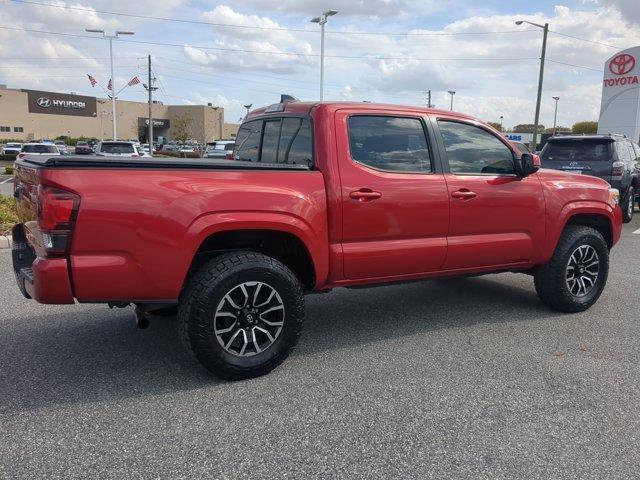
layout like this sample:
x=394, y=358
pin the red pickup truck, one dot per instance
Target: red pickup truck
x=317, y=196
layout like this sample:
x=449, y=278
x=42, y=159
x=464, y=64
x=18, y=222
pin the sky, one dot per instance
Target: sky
x=393, y=51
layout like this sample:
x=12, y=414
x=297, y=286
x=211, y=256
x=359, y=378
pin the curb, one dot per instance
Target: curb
x=5, y=242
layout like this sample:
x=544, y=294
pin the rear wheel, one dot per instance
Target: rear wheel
x=241, y=314
x=628, y=206
x=576, y=275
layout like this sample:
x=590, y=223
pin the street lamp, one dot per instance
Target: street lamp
x=555, y=114
x=322, y=20
x=452, y=93
x=545, y=29
x=248, y=107
x=113, y=80
x=501, y=117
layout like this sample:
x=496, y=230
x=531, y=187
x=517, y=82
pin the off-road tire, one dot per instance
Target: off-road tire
x=205, y=290
x=550, y=279
x=628, y=205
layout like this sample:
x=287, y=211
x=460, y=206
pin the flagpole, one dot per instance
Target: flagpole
x=113, y=89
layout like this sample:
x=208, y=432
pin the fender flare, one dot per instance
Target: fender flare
x=209, y=224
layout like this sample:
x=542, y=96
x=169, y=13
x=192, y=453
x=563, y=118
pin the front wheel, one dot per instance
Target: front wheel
x=628, y=206
x=241, y=314
x=574, y=278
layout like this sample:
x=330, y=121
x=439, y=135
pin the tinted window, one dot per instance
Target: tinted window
x=270, y=141
x=248, y=141
x=117, y=148
x=39, y=149
x=295, y=142
x=389, y=143
x=576, y=151
x=473, y=150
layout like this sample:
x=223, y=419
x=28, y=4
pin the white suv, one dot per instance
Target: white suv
x=117, y=149
x=38, y=149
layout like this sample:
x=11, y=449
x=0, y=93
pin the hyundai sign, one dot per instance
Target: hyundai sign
x=60, y=104
x=620, y=107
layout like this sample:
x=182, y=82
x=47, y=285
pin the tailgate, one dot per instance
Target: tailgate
x=584, y=156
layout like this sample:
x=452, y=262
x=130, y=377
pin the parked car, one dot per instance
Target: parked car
x=36, y=149
x=613, y=158
x=62, y=147
x=220, y=149
x=83, y=148
x=116, y=149
x=320, y=196
x=186, y=149
x=170, y=147
x=11, y=148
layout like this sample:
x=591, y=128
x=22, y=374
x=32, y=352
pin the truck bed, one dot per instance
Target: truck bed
x=94, y=161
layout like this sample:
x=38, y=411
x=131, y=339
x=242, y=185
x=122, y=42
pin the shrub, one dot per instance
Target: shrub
x=8, y=170
x=8, y=214
x=177, y=154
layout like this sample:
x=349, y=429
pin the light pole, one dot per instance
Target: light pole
x=113, y=80
x=452, y=93
x=545, y=29
x=322, y=20
x=555, y=114
x=501, y=117
x=248, y=107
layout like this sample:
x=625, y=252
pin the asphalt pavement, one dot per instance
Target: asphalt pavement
x=461, y=378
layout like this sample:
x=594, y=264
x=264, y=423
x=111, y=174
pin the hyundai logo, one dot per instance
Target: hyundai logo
x=44, y=102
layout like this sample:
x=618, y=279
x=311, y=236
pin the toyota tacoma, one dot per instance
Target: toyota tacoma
x=317, y=196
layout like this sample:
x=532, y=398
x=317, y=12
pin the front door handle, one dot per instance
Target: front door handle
x=464, y=194
x=365, y=195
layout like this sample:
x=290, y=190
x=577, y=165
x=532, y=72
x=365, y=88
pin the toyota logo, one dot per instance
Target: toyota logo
x=622, y=64
x=44, y=102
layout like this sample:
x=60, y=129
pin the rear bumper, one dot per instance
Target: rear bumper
x=46, y=280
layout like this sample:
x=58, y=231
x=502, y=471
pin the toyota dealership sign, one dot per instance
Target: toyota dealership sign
x=620, y=108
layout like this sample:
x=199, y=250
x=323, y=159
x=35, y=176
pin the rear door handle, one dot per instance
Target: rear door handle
x=365, y=195
x=464, y=194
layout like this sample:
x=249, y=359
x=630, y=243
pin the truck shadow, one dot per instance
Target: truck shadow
x=92, y=354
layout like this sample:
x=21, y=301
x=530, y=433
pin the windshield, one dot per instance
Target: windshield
x=576, y=151
x=39, y=149
x=12, y=145
x=225, y=146
x=117, y=148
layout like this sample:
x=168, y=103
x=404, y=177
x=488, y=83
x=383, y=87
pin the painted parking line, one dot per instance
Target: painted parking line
x=8, y=180
x=637, y=232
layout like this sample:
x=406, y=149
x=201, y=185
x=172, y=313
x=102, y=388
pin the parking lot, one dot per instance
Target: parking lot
x=459, y=378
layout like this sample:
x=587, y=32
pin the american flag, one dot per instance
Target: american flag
x=92, y=80
x=110, y=86
x=133, y=81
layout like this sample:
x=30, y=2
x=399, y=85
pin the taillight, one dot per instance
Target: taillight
x=57, y=210
x=229, y=156
x=616, y=170
x=22, y=155
x=135, y=155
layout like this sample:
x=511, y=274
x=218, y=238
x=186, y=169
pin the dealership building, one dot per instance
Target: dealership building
x=34, y=115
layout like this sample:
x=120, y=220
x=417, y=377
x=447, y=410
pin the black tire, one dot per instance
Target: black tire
x=628, y=206
x=551, y=278
x=207, y=291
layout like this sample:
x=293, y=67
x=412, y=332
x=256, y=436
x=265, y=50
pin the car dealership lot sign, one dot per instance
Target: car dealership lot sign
x=620, y=107
x=60, y=104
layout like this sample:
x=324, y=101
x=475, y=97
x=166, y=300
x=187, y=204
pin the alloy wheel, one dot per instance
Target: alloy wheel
x=582, y=270
x=249, y=319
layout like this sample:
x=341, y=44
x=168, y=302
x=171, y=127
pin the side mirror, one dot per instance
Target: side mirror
x=527, y=164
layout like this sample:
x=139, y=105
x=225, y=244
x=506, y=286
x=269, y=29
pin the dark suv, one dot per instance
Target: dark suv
x=613, y=158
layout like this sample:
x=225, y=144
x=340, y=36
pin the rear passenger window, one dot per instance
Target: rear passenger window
x=248, y=141
x=624, y=155
x=393, y=144
x=284, y=140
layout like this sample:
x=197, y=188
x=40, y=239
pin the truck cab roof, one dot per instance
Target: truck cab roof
x=305, y=108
